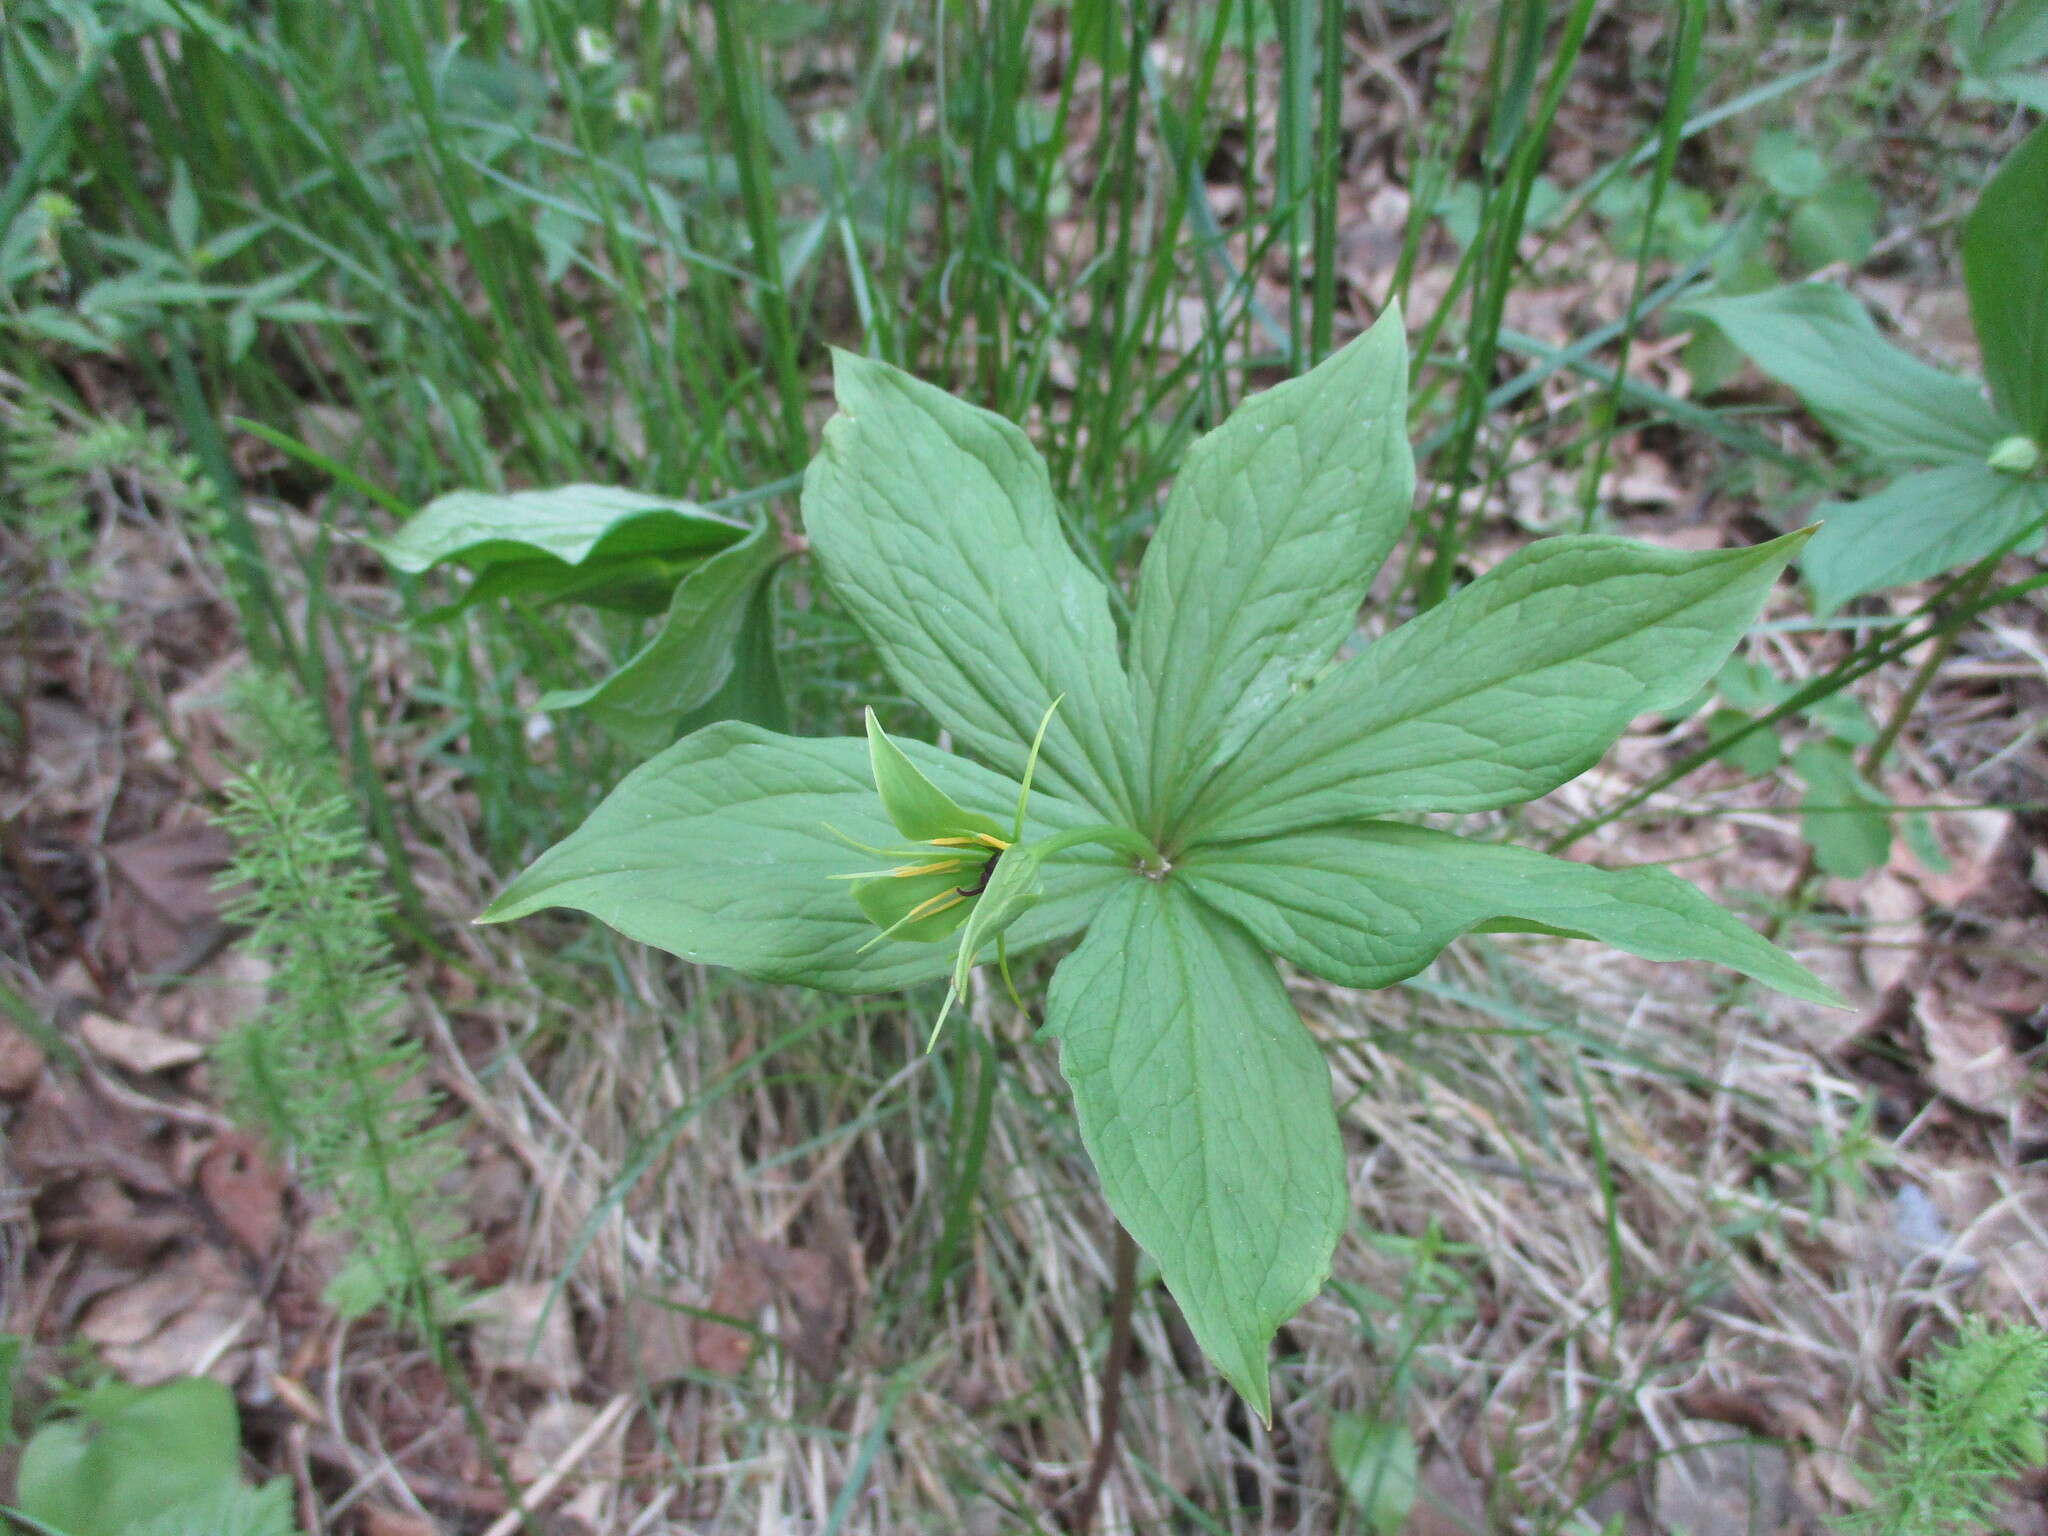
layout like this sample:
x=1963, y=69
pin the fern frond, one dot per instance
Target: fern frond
x=326, y=1070
x=1971, y=1417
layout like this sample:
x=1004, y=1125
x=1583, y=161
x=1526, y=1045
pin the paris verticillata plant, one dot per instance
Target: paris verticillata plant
x=1216, y=794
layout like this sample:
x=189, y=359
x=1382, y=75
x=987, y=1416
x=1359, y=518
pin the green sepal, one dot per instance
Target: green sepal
x=1013, y=889
x=921, y=810
x=890, y=899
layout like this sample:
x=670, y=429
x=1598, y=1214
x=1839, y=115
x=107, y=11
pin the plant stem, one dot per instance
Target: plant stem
x=1873, y=759
x=1114, y=1365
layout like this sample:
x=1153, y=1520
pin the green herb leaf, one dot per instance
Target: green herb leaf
x=127, y=1453
x=1837, y=224
x=690, y=655
x=1375, y=1461
x=1276, y=523
x=920, y=809
x=1370, y=905
x=1821, y=343
x=546, y=534
x=936, y=523
x=1514, y=686
x=722, y=850
x=2005, y=268
x=1918, y=526
x=1206, y=1108
x=1845, y=821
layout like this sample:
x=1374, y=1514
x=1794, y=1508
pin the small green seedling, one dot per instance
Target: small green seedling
x=2000, y=48
x=1220, y=794
x=1975, y=475
x=703, y=574
x=1844, y=818
x=146, y=1461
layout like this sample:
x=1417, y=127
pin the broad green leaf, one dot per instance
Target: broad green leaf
x=722, y=850
x=689, y=657
x=228, y=1509
x=1515, y=685
x=127, y=1453
x=1375, y=1462
x=1206, y=1109
x=1370, y=905
x=1276, y=523
x=567, y=526
x=1789, y=163
x=1918, y=526
x=1837, y=224
x=1821, y=343
x=2017, y=37
x=1842, y=818
x=2005, y=268
x=918, y=807
x=936, y=524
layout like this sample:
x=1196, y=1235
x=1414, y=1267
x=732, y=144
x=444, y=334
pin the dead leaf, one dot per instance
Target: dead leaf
x=162, y=912
x=654, y=1343
x=246, y=1191
x=815, y=1293
x=136, y=1047
x=555, y=1427
x=379, y=1521
x=1970, y=1054
x=740, y=1291
x=65, y=1129
x=1720, y=1482
x=21, y=1062
x=179, y=1320
x=1894, y=934
x=514, y=1329
x=102, y=1217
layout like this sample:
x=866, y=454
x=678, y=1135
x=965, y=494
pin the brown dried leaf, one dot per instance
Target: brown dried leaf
x=1970, y=1053
x=136, y=1047
x=66, y=1129
x=162, y=912
x=172, y=1321
x=21, y=1062
x=379, y=1521
x=813, y=1291
x=740, y=1291
x=653, y=1343
x=514, y=1329
x=246, y=1191
x=1722, y=1483
x=102, y=1217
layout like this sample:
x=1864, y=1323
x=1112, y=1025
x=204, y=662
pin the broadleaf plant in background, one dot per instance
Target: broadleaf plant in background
x=1972, y=473
x=2000, y=48
x=1224, y=795
x=703, y=575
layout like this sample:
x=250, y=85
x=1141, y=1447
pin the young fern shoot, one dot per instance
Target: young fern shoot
x=324, y=1069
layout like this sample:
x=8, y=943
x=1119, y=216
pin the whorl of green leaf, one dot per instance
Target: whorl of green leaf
x=325, y=1069
x=1971, y=1416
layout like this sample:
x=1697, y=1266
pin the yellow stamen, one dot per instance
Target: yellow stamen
x=932, y=907
x=942, y=867
x=979, y=840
